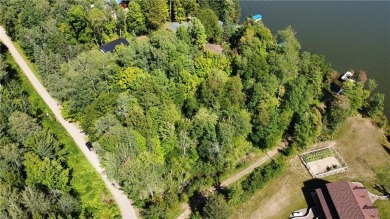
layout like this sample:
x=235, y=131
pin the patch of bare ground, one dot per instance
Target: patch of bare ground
x=359, y=143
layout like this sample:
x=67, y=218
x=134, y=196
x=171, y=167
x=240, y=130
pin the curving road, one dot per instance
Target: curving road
x=125, y=205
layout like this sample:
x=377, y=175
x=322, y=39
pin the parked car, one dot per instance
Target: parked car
x=89, y=146
x=297, y=214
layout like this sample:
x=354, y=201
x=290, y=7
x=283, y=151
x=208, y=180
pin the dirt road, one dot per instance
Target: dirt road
x=125, y=205
x=260, y=161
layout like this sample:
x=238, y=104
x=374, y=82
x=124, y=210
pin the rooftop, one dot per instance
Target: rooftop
x=257, y=17
x=110, y=47
x=344, y=199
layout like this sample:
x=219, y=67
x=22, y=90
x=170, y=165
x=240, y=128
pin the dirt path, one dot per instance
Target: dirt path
x=125, y=205
x=260, y=161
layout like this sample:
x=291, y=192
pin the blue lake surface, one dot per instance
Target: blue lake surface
x=350, y=34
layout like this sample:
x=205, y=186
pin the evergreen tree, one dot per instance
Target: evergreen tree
x=178, y=12
x=197, y=33
x=135, y=19
x=210, y=22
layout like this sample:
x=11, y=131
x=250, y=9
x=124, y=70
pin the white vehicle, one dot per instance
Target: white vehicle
x=297, y=214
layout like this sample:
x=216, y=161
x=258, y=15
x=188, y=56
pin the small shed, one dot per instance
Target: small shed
x=257, y=17
x=110, y=47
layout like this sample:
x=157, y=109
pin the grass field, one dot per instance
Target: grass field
x=359, y=143
x=95, y=198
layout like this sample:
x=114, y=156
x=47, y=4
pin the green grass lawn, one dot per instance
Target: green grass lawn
x=88, y=186
x=384, y=208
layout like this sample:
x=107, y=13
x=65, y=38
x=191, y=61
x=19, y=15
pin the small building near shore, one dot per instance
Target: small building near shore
x=257, y=17
x=110, y=47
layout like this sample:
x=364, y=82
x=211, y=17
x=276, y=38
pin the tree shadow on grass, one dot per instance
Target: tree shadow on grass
x=197, y=202
x=309, y=187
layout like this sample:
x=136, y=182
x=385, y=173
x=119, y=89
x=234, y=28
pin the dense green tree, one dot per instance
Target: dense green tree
x=130, y=76
x=34, y=13
x=155, y=12
x=307, y=128
x=142, y=177
x=216, y=207
x=197, y=33
x=10, y=204
x=190, y=7
x=68, y=206
x=96, y=18
x=35, y=202
x=375, y=105
x=22, y=126
x=77, y=26
x=3, y=72
x=44, y=144
x=178, y=14
x=8, y=10
x=288, y=59
x=135, y=19
x=182, y=34
x=211, y=25
x=356, y=94
x=47, y=172
x=339, y=111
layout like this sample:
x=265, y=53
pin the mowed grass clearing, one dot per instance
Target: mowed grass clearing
x=359, y=143
x=96, y=200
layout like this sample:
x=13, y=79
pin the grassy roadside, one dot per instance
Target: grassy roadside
x=95, y=198
x=32, y=66
x=360, y=144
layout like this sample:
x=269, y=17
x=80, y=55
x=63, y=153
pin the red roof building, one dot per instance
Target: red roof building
x=346, y=200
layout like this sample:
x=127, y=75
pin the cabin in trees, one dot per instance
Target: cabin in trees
x=110, y=47
x=345, y=199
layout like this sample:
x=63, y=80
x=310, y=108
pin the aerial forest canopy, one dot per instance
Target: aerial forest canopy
x=168, y=117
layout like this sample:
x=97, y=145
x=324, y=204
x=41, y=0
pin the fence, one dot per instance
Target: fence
x=343, y=166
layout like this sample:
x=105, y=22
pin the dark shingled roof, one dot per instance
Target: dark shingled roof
x=346, y=200
x=110, y=47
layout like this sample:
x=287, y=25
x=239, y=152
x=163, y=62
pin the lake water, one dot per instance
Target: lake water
x=350, y=34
